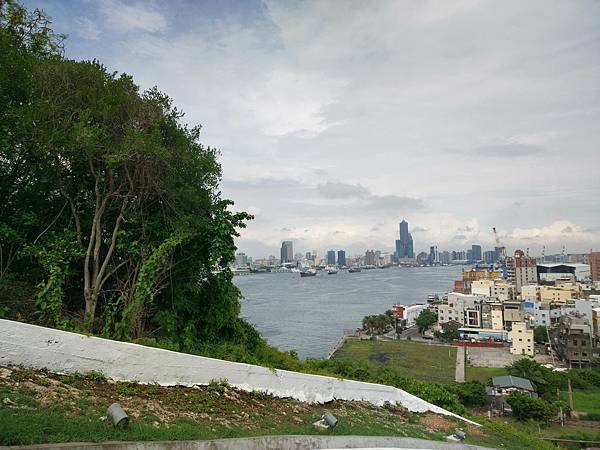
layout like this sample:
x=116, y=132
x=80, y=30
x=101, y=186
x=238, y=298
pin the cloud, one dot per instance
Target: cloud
x=124, y=17
x=337, y=190
x=418, y=229
x=510, y=151
x=392, y=203
x=87, y=29
x=459, y=237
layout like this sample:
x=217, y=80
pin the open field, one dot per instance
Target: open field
x=411, y=359
x=585, y=401
x=483, y=374
x=40, y=407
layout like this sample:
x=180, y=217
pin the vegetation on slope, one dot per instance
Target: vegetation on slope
x=39, y=407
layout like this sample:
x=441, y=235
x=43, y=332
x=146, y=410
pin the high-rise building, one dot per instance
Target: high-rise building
x=433, y=255
x=522, y=270
x=308, y=256
x=595, y=265
x=476, y=252
x=331, y=258
x=404, y=245
x=241, y=260
x=370, y=258
x=287, y=252
x=445, y=257
x=489, y=257
x=341, y=258
x=469, y=254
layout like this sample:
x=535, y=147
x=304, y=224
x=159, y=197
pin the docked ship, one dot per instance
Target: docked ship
x=308, y=273
x=332, y=271
x=354, y=269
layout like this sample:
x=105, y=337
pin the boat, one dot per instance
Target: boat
x=332, y=271
x=308, y=273
x=354, y=269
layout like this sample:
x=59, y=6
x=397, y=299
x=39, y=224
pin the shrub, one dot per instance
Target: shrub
x=527, y=408
x=470, y=393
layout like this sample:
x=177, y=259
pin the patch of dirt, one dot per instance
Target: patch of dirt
x=435, y=422
x=380, y=358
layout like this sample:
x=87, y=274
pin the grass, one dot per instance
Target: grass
x=411, y=359
x=584, y=401
x=483, y=374
x=45, y=408
x=73, y=408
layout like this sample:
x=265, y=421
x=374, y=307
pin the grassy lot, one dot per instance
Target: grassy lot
x=585, y=401
x=483, y=374
x=39, y=407
x=411, y=359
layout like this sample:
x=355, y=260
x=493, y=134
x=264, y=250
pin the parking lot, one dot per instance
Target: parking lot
x=490, y=357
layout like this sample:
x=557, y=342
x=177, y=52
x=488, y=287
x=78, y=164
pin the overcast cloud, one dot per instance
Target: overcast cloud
x=337, y=119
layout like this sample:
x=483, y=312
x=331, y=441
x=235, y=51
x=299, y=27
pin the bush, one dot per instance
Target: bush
x=527, y=408
x=470, y=393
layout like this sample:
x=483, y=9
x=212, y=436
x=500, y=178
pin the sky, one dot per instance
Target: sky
x=337, y=119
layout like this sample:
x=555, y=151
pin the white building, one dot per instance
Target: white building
x=556, y=271
x=407, y=315
x=462, y=308
x=521, y=339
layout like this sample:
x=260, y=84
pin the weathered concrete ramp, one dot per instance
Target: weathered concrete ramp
x=264, y=443
x=64, y=352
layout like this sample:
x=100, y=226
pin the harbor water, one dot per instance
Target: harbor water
x=310, y=314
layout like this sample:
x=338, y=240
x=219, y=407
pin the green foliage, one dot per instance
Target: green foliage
x=448, y=333
x=545, y=381
x=540, y=335
x=526, y=408
x=584, y=378
x=218, y=386
x=377, y=324
x=426, y=319
x=96, y=376
x=470, y=393
x=112, y=218
x=361, y=371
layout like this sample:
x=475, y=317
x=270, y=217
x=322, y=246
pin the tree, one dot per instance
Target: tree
x=471, y=393
x=425, y=320
x=540, y=335
x=449, y=332
x=543, y=379
x=111, y=209
x=526, y=408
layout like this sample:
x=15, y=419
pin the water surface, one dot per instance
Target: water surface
x=310, y=314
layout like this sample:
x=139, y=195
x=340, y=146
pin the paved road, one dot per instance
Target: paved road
x=260, y=443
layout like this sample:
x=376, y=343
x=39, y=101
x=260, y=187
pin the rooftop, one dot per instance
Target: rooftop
x=507, y=381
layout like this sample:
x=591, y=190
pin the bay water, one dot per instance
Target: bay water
x=310, y=314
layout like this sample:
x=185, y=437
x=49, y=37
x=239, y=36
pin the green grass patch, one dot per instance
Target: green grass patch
x=584, y=401
x=483, y=374
x=415, y=360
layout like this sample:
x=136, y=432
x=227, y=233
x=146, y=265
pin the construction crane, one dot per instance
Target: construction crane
x=543, y=254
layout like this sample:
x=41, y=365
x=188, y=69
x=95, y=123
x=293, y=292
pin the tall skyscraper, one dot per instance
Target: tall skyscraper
x=404, y=246
x=595, y=265
x=341, y=258
x=331, y=257
x=370, y=258
x=476, y=252
x=433, y=255
x=287, y=252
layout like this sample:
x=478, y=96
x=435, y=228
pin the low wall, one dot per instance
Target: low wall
x=64, y=352
x=478, y=344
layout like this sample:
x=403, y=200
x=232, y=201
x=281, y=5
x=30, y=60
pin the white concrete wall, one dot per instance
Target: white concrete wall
x=63, y=352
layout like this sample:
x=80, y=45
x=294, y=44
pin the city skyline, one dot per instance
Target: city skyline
x=309, y=117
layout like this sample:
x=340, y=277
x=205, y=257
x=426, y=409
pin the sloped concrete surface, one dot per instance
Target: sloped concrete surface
x=64, y=352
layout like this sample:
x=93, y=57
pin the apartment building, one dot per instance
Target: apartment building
x=521, y=339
